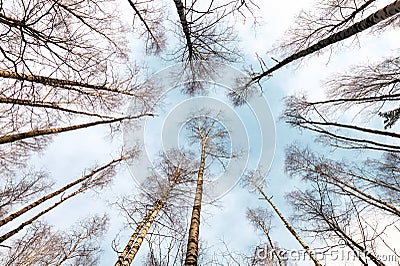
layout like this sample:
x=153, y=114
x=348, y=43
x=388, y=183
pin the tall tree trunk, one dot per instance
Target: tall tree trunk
x=44, y=132
x=57, y=192
x=290, y=227
x=37, y=216
x=133, y=237
x=49, y=105
x=371, y=20
x=59, y=83
x=185, y=26
x=193, y=241
x=134, y=243
x=132, y=253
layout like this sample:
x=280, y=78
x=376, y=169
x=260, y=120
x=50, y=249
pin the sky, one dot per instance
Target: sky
x=70, y=153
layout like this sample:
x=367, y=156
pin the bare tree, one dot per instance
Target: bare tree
x=384, y=173
x=176, y=170
x=83, y=179
x=206, y=31
x=370, y=90
x=261, y=220
x=309, y=166
x=326, y=18
x=319, y=35
x=21, y=189
x=324, y=217
x=44, y=132
x=342, y=197
x=150, y=18
x=98, y=178
x=253, y=179
x=213, y=140
x=80, y=245
x=332, y=131
x=61, y=61
x=71, y=48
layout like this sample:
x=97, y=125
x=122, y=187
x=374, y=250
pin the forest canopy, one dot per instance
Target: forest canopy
x=142, y=132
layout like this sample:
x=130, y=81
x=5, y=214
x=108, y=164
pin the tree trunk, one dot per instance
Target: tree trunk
x=371, y=20
x=132, y=253
x=59, y=83
x=193, y=241
x=133, y=238
x=44, y=132
x=49, y=105
x=129, y=252
x=290, y=227
x=55, y=193
x=185, y=26
x=37, y=216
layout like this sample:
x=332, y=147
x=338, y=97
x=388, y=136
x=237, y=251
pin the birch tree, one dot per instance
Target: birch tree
x=176, y=170
x=325, y=18
x=367, y=188
x=64, y=57
x=61, y=61
x=370, y=92
x=254, y=180
x=336, y=132
x=205, y=32
x=342, y=198
x=261, y=220
x=318, y=213
x=311, y=35
x=97, y=179
x=47, y=197
x=213, y=141
x=42, y=245
x=21, y=189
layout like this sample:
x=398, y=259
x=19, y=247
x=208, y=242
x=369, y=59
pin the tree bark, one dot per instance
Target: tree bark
x=193, y=241
x=59, y=83
x=134, y=243
x=133, y=238
x=290, y=228
x=44, y=132
x=373, y=19
x=132, y=253
x=37, y=216
x=185, y=26
x=55, y=193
